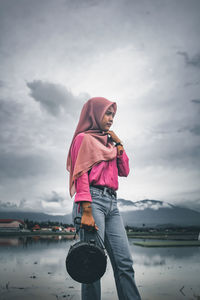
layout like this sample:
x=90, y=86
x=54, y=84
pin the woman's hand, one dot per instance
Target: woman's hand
x=114, y=136
x=87, y=220
x=115, y=139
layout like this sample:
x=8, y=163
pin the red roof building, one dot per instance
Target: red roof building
x=36, y=227
x=11, y=224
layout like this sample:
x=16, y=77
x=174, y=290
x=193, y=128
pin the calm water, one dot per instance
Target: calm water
x=34, y=268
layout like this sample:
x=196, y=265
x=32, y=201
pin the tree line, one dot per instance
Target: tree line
x=30, y=224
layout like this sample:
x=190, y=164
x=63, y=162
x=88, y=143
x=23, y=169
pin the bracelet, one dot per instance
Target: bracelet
x=118, y=144
x=89, y=206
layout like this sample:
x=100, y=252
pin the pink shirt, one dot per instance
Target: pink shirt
x=104, y=173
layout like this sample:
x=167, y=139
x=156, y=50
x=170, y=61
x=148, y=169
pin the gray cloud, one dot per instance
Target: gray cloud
x=54, y=197
x=8, y=110
x=8, y=205
x=53, y=97
x=191, y=83
x=123, y=49
x=191, y=61
x=194, y=203
x=15, y=130
x=2, y=83
x=124, y=202
x=169, y=153
x=16, y=165
x=141, y=205
x=196, y=101
x=22, y=203
x=195, y=130
x=23, y=138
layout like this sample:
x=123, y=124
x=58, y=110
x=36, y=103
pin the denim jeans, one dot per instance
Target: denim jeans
x=112, y=231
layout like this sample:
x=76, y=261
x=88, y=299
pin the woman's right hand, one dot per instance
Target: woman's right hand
x=87, y=220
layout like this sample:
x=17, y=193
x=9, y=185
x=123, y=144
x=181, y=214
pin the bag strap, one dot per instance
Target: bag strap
x=101, y=242
x=77, y=223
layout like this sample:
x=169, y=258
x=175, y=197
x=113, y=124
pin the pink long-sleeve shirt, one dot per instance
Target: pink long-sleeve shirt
x=104, y=173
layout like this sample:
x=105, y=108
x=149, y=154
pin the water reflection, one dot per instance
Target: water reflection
x=26, y=241
x=35, y=266
x=173, y=252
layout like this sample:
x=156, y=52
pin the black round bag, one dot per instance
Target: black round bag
x=86, y=261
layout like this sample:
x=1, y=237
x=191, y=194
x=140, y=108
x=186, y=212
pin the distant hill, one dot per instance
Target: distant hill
x=35, y=216
x=156, y=213
x=149, y=212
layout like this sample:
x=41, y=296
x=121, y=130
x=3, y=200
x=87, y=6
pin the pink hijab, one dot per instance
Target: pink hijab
x=95, y=146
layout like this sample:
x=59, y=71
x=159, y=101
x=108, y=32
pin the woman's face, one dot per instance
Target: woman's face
x=107, y=120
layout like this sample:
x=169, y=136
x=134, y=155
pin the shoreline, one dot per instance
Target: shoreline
x=167, y=243
x=34, y=233
x=177, y=236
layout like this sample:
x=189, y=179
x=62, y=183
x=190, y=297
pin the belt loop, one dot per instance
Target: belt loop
x=104, y=191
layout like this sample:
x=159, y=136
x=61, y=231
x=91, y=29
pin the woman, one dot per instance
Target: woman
x=95, y=159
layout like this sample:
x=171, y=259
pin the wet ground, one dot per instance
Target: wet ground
x=34, y=268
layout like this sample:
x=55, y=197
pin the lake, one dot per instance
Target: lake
x=34, y=268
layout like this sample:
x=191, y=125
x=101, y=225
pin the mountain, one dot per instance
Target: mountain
x=149, y=212
x=156, y=213
x=36, y=216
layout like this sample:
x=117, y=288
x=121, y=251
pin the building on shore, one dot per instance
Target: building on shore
x=7, y=225
x=36, y=227
x=56, y=228
x=70, y=229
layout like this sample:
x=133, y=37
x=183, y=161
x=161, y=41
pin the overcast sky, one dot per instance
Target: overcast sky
x=55, y=55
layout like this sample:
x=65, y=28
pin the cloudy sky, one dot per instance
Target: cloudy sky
x=55, y=55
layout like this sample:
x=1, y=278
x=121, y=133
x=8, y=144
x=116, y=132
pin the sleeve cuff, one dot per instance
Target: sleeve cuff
x=83, y=197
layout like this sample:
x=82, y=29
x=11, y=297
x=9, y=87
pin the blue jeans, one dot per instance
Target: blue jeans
x=112, y=231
